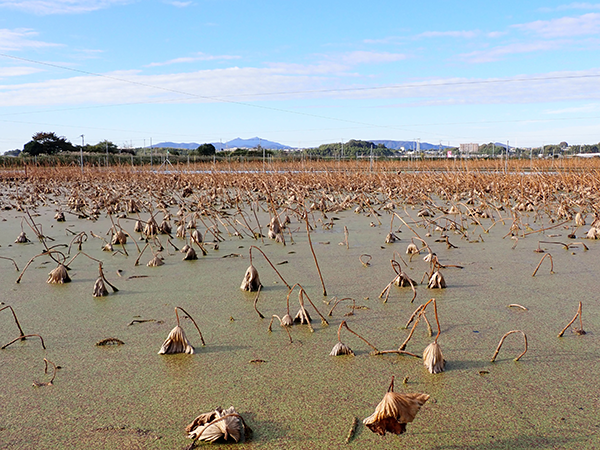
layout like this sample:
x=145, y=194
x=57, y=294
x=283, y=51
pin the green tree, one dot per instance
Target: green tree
x=205, y=150
x=102, y=147
x=47, y=143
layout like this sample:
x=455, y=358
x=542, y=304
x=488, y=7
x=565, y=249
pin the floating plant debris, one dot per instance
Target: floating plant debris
x=219, y=425
x=395, y=411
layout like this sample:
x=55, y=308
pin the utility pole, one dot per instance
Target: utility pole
x=81, y=153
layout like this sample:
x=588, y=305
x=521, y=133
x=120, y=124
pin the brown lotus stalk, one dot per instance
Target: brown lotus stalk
x=256, y=301
x=22, y=238
x=48, y=383
x=540, y=263
x=338, y=301
x=342, y=349
x=579, y=331
x=395, y=411
x=15, y=318
x=256, y=272
x=502, y=341
x=313, y=253
x=22, y=338
x=285, y=325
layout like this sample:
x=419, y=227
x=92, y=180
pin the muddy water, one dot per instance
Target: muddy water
x=130, y=397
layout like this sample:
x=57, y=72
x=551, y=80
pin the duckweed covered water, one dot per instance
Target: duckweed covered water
x=299, y=397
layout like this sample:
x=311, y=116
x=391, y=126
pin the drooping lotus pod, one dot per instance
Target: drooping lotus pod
x=412, y=249
x=59, y=216
x=219, y=425
x=138, y=227
x=251, y=281
x=341, y=349
x=437, y=281
x=59, y=275
x=165, y=227
x=22, y=238
x=155, y=262
x=302, y=317
x=190, y=254
x=433, y=358
x=100, y=288
x=180, y=231
x=176, y=342
x=196, y=236
x=391, y=238
x=394, y=412
x=151, y=228
x=119, y=238
x=107, y=247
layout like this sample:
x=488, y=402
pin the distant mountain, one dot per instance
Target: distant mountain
x=250, y=143
x=408, y=145
x=234, y=143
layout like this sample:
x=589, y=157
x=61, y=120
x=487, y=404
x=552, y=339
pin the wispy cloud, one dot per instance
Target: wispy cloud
x=364, y=57
x=497, y=53
x=454, y=34
x=190, y=59
x=179, y=4
x=587, y=24
x=588, y=108
x=47, y=7
x=573, y=6
x=21, y=38
x=17, y=71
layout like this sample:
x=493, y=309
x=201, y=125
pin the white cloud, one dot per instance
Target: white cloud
x=180, y=4
x=289, y=82
x=17, y=71
x=362, y=57
x=453, y=34
x=189, y=59
x=497, y=53
x=570, y=6
x=587, y=24
x=47, y=7
x=588, y=108
x=21, y=38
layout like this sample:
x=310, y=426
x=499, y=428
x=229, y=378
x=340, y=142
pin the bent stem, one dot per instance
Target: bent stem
x=345, y=325
x=192, y=319
x=270, y=263
x=313, y=253
x=578, y=314
x=282, y=326
x=502, y=341
x=341, y=300
x=256, y=301
x=540, y=263
x=16, y=320
x=23, y=338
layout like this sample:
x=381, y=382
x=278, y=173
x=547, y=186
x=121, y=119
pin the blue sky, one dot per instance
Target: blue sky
x=300, y=73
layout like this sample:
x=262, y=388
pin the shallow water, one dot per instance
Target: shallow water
x=300, y=397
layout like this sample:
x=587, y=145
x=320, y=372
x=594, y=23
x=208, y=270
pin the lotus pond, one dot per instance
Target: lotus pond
x=294, y=395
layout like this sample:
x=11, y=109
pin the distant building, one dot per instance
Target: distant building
x=469, y=148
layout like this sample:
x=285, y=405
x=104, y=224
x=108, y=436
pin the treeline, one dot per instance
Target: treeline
x=351, y=149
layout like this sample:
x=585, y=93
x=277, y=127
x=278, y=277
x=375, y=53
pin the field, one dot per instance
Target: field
x=500, y=233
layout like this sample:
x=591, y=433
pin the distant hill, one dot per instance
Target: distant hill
x=408, y=145
x=234, y=143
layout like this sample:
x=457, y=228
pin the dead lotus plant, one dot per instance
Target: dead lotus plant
x=251, y=281
x=342, y=349
x=502, y=342
x=433, y=359
x=177, y=341
x=395, y=411
x=219, y=425
x=401, y=280
x=47, y=383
